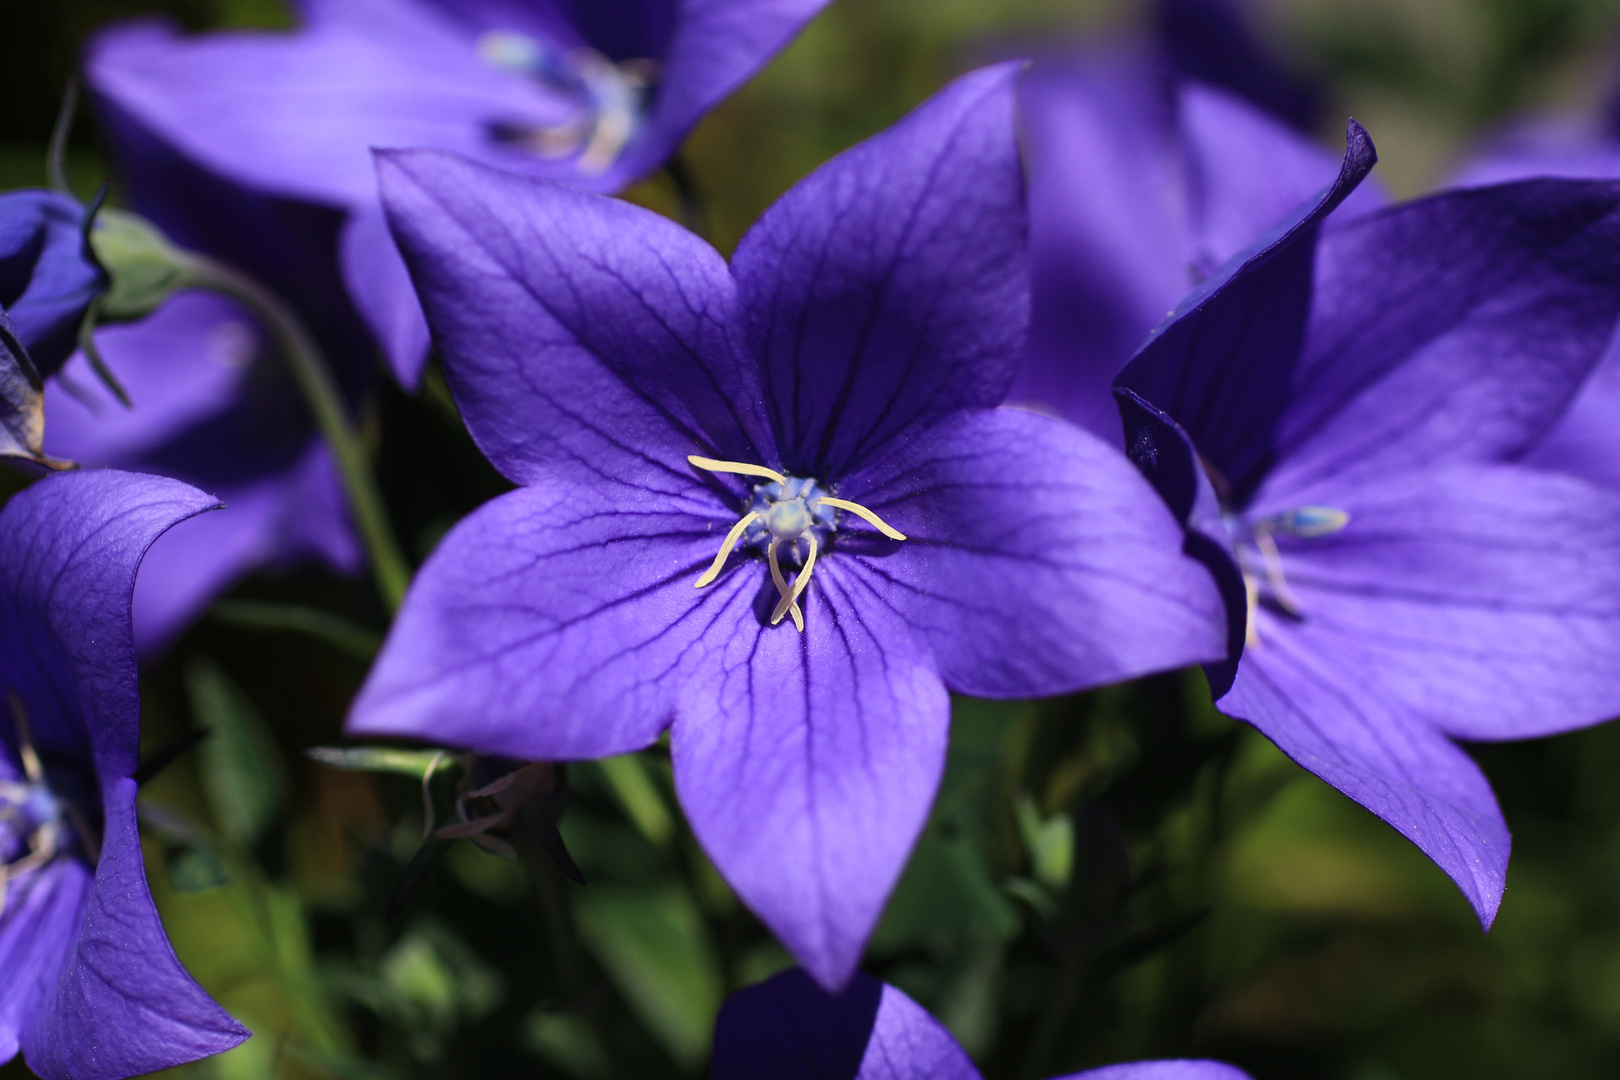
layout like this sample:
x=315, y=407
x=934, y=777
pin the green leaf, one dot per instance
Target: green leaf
x=338, y=632
x=656, y=948
x=1049, y=843
x=566, y=1041
x=242, y=770
x=627, y=778
x=412, y=763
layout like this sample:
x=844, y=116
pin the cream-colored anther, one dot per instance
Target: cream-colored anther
x=725, y=549
x=863, y=513
x=741, y=468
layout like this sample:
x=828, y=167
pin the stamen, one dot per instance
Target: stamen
x=782, y=587
x=25, y=744
x=725, y=549
x=862, y=512
x=741, y=468
x=1251, y=629
x=1274, y=572
x=790, y=601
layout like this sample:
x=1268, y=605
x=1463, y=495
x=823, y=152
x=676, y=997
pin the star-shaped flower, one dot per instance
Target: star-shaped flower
x=788, y=1028
x=1339, y=417
x=596, y=94
x=818, y=422
x=89, y=987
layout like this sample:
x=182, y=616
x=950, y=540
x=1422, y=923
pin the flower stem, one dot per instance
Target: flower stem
x=314, y=377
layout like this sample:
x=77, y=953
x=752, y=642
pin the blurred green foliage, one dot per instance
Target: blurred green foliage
x=1119, y=875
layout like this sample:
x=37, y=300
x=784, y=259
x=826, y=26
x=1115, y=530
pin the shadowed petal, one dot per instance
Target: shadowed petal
x=889, y=287
x=807, y=764
x=1210, y=40
x=1453, y=329
x=1484, y=600
x=1220, y=364
x=788, y=1028
x=297, y=113
x=579, y=334
x=1352, y=735
x=1038, y=561
x=555, y=622
x=123, y=1005
x=381, y=286
x=1586, y=442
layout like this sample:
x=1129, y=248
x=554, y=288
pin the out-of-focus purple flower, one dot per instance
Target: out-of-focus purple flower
x=214, y=404
x=596, y=93
x=47, y=282
x=89, y=987
x=827, y=405
x=1338, y=416
x=788, y=1028
x=1141, y=185
x=1212, y=41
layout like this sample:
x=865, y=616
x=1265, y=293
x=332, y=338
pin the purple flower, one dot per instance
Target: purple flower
x=1358, y=397
x=47, y=282
x=1211, y=41
x=788, y=1028
x=89, y=987
x=596, y=93
x=1141, y=185
x=824, y=408
x=214, y=404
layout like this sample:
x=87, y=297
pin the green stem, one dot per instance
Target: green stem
x=314, y=377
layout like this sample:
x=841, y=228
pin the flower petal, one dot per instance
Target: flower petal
x=889, y=287
x=555, y=622
x=1352, y=735
x=295, y=114
x=579, y=334
x=381, y=287
x=1484, y=600
x=37, y=928
x=807, y=763
x=788, y=1028
x=69, y=549
x=122, y=1004
x=1220, y=364
x=1453, y=329
x=1038, y=561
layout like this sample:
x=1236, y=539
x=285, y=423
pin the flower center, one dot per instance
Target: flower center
x=785, y=513
x=33, y=821
x=1261, y=562
x=610, y=97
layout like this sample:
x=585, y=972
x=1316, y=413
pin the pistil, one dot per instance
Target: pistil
x=785, y=510
x=1304, y=522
